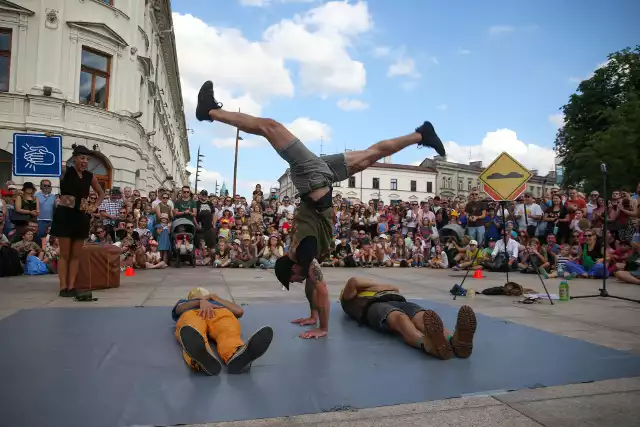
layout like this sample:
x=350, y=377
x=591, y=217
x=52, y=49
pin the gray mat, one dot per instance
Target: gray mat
x=122, y=366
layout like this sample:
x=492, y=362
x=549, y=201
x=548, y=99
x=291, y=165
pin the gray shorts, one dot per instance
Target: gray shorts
x=310, y=172
x=378, y=312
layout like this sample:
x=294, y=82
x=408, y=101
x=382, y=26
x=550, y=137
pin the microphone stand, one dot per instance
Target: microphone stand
x=603, y=291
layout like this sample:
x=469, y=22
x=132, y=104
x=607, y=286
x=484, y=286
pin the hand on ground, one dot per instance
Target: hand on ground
x=305, y=321
x=313, y=333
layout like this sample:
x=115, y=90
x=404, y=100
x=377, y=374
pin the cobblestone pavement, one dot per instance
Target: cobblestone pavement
x=609, y=322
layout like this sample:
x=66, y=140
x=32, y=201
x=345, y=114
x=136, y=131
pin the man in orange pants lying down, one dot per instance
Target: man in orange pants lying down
x=204, y=316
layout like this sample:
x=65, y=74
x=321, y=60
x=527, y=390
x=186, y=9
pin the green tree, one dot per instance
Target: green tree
x=602, y=125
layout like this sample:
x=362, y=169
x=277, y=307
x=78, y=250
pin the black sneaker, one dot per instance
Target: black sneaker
x=253, y=349
x=72, y=293
x=64, y=293
x=206, y=102
x=430, y=138
x=195, y=346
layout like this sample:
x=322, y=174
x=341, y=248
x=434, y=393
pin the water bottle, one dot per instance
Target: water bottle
x=563, y=291
x=560, y=270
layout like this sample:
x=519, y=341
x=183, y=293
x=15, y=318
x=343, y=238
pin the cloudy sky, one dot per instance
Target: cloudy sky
x=490, y=75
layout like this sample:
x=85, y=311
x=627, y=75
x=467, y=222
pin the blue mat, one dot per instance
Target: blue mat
x=122, y=366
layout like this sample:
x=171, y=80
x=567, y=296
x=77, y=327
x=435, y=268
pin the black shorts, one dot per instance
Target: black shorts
x=376, y=316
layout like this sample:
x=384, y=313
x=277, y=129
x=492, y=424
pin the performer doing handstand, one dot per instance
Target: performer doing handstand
x=313, y=178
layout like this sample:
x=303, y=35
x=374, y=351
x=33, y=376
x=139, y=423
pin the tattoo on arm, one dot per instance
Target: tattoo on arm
x=316, y=271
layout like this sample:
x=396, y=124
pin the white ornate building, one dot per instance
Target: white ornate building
x=457, y=179
x=383, y=181
x=102, y=73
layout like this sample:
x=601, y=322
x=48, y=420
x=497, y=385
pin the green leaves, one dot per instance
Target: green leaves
x=602, y=125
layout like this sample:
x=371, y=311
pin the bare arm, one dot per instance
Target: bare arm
x=18, y=206
x=316, y=291
x=357, y=284
x=232, y=307
x=98, y=189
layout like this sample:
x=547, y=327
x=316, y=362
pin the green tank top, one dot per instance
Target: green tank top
x=309, y=222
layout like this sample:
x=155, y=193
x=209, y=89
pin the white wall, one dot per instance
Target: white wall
x=364, y=191
x=49, y=54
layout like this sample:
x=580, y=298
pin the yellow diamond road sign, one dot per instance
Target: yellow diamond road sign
x=505, y=178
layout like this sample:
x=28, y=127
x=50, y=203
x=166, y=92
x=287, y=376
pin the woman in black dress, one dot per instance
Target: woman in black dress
x=72, y=216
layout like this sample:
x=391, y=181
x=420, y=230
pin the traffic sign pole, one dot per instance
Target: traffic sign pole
x=505, y=180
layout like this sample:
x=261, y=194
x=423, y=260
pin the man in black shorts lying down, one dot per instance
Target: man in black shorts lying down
x=312, y=177
x=383, y=308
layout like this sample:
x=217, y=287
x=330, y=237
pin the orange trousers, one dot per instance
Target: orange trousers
x=224, y=329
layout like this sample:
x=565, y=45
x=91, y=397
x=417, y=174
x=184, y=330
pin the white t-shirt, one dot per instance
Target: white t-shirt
x=532, y=209
x=283, y=208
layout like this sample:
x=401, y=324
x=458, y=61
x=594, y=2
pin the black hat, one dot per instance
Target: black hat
x=81, y=150
x=28, y=184
x=204, y=193
x=283, y=270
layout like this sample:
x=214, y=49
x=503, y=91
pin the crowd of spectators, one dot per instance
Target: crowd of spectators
x=559, y=235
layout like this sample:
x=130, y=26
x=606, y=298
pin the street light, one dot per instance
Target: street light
x=235, y=162
x=198, y=166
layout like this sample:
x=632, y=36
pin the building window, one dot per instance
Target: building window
x=352, y=182
x=429, y=187
x=414, y=185
x=5, y=59
x=337, y=184
x=109, y=2
x=394, y=184
x=460, y=184
x=94, y=78
x=449, y=183
x=376, y=183
x=469, y=184
x=444, y=182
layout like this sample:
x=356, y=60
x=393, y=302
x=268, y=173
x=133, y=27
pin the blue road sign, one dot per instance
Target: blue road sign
x=37, y=155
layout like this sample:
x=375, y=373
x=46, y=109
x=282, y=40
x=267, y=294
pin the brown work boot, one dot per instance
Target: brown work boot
x=437, y=344
x=462, y=340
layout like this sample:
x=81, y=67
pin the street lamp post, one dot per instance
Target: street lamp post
x=198, y=166
x=235, y=162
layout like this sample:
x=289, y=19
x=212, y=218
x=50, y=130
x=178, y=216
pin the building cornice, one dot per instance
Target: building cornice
x=164, y=22
x=99, y=30
x=10, y=7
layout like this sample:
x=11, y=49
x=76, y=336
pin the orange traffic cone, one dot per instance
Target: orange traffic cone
x=129, y=272
x=478, y=274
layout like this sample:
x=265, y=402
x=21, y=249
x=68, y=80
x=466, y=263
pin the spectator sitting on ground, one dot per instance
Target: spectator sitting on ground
x=153, y=258
x=471, y=258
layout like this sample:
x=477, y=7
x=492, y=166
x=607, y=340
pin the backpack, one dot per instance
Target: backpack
x=10, y=264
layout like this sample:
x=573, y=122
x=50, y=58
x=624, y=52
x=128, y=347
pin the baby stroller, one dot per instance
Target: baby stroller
x=451, y=231
x=183, y=232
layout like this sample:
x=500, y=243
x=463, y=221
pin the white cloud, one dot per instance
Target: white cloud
x=308, y=130
x=248, y=75
x=319, y=41
x=578, y=80
x=403, y=66
x=208, y=179
x=443, y=107
x=381, y=51
x=245, y=142
x=531, y=156
x=409, y=85
x=264, y=3
x=352, y=104
x=462, y=51
x=557, y=120
x=501, y=29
